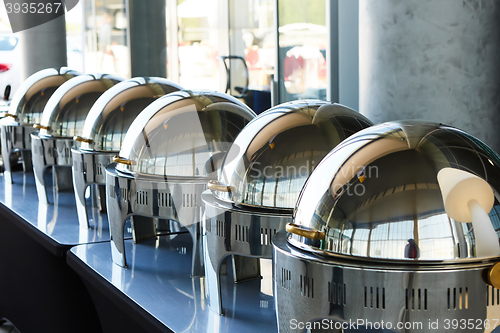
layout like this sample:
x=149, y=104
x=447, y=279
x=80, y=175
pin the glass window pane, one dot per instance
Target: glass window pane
x=106, y=37
x=74, y=38
x=302, y=49
x=198, y=22
x=251, y=36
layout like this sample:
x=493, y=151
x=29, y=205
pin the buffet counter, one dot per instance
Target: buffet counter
x=59, y=277
x=38, y=291
x=158, y=291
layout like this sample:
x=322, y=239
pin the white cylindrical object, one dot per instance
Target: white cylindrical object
x=458, y=187
x=469, y=198
x=486, y=237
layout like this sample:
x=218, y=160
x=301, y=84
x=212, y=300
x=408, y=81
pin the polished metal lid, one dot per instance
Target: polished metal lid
x=111, y=115
x=273, y=156
x=390, y=191
x=180, y=134
x=66, y=110
x=31, y=97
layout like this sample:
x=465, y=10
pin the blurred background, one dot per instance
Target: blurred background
x=388, y=59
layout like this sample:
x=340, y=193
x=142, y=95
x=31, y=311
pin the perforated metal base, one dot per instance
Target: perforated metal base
x=308, y=289
x=228, y=232
x=177, y=199
x=16, y=138
x=51, y=152
x=88, y=169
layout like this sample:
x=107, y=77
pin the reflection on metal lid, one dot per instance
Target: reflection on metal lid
x=182, y=133
x=397, y=211
x=112, y=114
x=65, y=112
x=275, y=154
x=30, y=99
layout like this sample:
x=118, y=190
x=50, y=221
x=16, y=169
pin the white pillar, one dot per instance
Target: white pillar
x=434, y=60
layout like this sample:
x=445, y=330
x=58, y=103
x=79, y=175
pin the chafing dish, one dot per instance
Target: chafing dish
x=104, y=129
x=25, y=111
x=397, y=225
x=62, y=119
x=170, y=152
x=260, y=181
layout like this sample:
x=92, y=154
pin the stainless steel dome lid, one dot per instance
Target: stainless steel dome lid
x=384, y=194
x=65, y=112
x=111, y=115
x=270, y=160
x=30, y=98
x=182, y=134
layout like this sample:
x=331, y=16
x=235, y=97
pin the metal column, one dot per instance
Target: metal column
x=43, y=46
x=434, y=60
x=148, y=38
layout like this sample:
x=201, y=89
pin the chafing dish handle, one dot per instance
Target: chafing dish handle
x=494, y=276
x=10, y=115
x=122, y=160
x=215, y=185
x=305, y=232
x=82, y=139
x=38, y=126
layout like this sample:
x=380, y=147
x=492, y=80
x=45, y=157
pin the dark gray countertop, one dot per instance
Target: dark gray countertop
x=158, y=280
x=57, y=221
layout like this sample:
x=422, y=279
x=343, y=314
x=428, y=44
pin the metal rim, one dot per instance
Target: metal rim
x=411, y=263
x=292, y=249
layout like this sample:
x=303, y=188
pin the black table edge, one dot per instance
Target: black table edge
x=46, y=241
x=127, y=305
